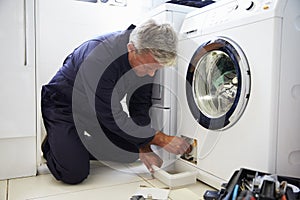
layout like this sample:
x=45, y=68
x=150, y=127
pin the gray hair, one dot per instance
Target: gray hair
x=160, y=39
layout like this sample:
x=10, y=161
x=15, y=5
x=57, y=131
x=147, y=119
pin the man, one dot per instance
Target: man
x=81, y=107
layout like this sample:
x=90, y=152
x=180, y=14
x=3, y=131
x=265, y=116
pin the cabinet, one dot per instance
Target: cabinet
x=17, y=89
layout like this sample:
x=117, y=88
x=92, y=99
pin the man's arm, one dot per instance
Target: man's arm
x=172, y=144
x=139, y=105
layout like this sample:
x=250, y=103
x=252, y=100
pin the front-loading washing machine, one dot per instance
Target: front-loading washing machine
x=239, y=88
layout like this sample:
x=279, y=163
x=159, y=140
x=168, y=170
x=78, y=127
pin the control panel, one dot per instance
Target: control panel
x=255, y=5
x=238, y=12
x=229, y=13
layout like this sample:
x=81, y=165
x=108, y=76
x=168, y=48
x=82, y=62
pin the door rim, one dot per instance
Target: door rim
x=237, y=56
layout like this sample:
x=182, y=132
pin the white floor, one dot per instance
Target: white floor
x=104, y=182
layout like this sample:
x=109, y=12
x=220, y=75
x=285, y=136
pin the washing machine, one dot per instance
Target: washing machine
x=239, y=88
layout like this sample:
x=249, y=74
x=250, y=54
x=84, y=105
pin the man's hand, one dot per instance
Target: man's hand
x=149, y=158
x=172, y=144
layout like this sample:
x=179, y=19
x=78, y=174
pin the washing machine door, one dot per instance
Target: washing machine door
x=218, y=84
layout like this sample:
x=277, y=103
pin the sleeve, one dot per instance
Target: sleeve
x=139, y=105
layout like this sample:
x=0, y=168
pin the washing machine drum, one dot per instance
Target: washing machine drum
x=218, y=84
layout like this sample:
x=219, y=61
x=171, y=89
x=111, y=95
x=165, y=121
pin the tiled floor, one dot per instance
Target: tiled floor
x=104, y=182
x=3, y=185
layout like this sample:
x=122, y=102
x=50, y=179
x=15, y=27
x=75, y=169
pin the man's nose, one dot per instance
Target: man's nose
x=151, y=72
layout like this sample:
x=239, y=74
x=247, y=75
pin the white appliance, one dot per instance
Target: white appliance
x=163, y=111
x=239, y=88
x=17, y=86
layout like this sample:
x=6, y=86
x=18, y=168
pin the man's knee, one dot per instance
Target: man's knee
x=69, y=171
x=74, y=176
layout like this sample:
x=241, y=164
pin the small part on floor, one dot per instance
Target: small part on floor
x=152, y=193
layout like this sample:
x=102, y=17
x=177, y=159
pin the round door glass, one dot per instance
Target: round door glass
x=218, y=83
x=215, y=84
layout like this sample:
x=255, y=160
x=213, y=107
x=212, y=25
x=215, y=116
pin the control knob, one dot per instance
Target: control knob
x=247, y=4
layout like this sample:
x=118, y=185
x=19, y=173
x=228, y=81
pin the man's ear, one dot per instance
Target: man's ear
x=130, y=47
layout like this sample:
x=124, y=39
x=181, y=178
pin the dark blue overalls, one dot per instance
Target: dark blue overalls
x=82, y=113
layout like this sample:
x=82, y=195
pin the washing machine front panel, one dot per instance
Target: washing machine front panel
x=218, y=83
x=184, y=115
x=265, y=137
x=251, y=141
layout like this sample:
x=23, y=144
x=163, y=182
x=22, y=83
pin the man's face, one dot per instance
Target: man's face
x=145, y=64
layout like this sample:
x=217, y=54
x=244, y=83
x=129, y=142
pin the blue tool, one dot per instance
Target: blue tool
x=235, y=192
